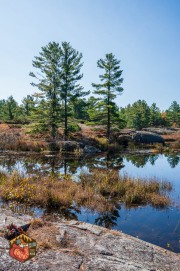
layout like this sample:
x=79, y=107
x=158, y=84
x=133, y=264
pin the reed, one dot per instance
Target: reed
x=100, y=190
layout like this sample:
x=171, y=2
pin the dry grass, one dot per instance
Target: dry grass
x=110, y=185
x=48, y=236
x=37, y=223
x=172, y=137
x=159, y=200
x=101, y=190
x=173, y=140
x=92, y=131
x=14, y=142
x=4, y=127
x=44, y=234
x=23, y=145
x=176, y=145
x=101, y=142
x=45, y=192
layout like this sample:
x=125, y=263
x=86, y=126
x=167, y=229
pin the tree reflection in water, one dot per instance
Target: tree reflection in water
x=173, y=160
x=108, y=219
x=107, y=212
x=137, y=160
x=70, y=213
x=55, y=164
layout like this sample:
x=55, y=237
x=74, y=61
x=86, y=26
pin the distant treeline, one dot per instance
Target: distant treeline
x=32, y=110
x=61, y=100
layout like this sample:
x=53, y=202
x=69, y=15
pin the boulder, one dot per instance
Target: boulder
x=124, y=139
x=147, y=137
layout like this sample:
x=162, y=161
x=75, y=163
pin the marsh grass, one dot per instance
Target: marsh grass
x=127, y=189
x=14, y=142
x=100, y=190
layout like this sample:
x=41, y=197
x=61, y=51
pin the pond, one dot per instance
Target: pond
x=155, y=225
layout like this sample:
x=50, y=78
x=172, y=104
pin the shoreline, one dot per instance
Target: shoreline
x=85, y=247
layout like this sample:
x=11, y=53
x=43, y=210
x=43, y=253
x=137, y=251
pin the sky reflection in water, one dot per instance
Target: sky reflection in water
x=158, y=226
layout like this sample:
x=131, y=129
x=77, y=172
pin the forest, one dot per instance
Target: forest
x=62, y=102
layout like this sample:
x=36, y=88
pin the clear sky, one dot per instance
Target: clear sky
x=143, y=34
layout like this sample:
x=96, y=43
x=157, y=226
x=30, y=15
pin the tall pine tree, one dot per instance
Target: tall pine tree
x=48, y=81
x=70, y=90
x=109, y=88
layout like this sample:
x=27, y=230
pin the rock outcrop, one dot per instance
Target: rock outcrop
x=86, y=247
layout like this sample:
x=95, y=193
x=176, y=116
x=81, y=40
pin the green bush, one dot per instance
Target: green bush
x=73, y=127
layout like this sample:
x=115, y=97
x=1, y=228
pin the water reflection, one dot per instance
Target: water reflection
x=108, y=219
x=173, y=160
x=140, y=160
x=152, y=159
x=157, y=226
x=69, y=212
x=53, y=164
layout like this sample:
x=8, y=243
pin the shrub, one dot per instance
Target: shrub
x=73, y=127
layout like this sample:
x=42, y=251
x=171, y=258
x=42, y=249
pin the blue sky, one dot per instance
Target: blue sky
x=143, y=34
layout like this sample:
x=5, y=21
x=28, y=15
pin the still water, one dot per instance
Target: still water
x=158, y=226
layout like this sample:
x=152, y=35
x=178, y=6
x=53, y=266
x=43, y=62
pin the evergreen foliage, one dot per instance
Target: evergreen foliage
x=48, y=82
x=80, y=109
x=109, y=88
x=70, y=67
x=28, y=104
x=155, y=115
x=58, y=73
x=35, y=110
x=138, y=115
x=173, y=114
x=10, y=111
x=61, y=100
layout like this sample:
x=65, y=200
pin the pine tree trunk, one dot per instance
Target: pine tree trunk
x=53, y=117
x=108, y=121
x=108, y=125
x=65, y=121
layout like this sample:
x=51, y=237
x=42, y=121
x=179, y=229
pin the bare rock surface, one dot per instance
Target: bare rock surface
x=85, y=247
